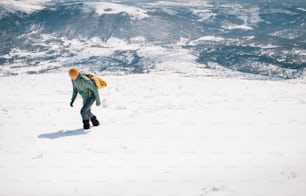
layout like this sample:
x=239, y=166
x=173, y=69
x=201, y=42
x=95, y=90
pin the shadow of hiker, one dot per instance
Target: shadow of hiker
x=61, y=133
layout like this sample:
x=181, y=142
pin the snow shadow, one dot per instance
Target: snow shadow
x=63, y=133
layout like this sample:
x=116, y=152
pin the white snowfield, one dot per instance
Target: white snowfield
x=114, y=8
x=161, y=134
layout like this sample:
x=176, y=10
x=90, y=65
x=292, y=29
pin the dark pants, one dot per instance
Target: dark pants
x=86, y=109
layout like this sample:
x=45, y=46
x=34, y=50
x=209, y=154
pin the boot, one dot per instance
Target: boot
x=94, y=121
x=86, y=124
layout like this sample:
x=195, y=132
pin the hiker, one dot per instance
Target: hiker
x=89, y=92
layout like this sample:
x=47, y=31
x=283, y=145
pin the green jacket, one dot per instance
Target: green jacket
x=86, y=88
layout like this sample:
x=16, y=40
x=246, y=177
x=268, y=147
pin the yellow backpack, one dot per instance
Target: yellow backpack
x=99, y=82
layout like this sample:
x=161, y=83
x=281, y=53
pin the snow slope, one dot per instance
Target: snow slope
x=161, y=134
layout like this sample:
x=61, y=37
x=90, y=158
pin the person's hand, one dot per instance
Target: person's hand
x=71, y=104
x=98, y=103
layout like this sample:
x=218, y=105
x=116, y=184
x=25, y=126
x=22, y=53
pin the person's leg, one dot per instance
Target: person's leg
x=90, y=114
x=92, y=117
x=85, y=111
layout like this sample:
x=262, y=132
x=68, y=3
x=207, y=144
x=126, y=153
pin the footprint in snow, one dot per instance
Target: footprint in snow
x=215, y=191
x=289, y=175
x=40, y=156
x=4, y=110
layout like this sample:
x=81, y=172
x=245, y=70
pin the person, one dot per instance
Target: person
x=89, y=92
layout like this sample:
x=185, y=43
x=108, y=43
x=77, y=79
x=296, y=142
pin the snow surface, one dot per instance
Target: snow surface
x=183, y=3
x=113, y=8
x=243, y=27
x=29, y=6
x=162, y=134
x=206, y=38
x=302, y=9
x=26, y=6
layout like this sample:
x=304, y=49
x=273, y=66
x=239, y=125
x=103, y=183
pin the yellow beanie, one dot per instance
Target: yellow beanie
x=73, y=72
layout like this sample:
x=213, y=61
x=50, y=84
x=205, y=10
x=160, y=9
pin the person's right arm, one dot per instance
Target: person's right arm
x=74, y=94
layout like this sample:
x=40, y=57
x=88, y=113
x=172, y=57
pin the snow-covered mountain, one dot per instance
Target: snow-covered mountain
x=264, y=38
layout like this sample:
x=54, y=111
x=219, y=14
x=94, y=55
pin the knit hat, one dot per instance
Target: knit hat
x=73, y=72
